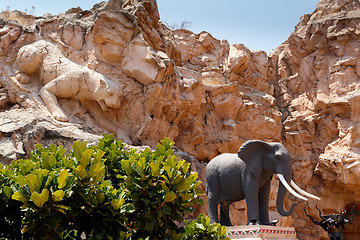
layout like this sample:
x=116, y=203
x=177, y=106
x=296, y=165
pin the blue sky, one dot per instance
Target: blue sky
x=258, y=24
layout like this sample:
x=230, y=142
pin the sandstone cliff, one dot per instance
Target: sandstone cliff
x=208, y=96
x=317, y=90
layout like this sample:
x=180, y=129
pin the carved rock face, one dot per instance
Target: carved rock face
x=29, y=59
x=108, y=95
x=206, y=95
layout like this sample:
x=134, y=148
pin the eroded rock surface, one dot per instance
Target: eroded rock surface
x=125, y=72
x=318, y=93
x=201, y=92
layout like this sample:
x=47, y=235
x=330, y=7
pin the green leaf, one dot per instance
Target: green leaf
x=62, y=178
x=178, y=179
x=92, y=200
x=168, y=171
x=61, y=152
x=97, y=156
x=40, y=199
x=106, y=184
x=160, y=149
x=100, y=197
x=68, y=163
x=7, y=191
x=80, y=171
x=61, y=208
x=45, y=160
x=136, y=169
x=79, y=148
x=155, y=169
x=180, y=164
x=19, y=197
x=52, y=148
x=184, y=185
x=141, y=164
x=20, y=179
x=42, y=173
x=97, y=171
x=85, y=157
x=193, y=176
x=185, y=168
x=166, y=142
x=170, y=196
x=164, y=186
x=52, y=161
x=116, y=203
x=47, y=182
x=206, y=221
x=23, y=170
x=70, y=182
x=126, y=165
x=171, y=160
x=32, y=181
x=8, y=172
x=58, y=195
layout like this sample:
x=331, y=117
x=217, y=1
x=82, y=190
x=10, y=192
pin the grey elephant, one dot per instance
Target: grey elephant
x=246, y=175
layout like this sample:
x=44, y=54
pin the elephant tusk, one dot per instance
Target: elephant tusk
x=302, y=191
x=286, y=185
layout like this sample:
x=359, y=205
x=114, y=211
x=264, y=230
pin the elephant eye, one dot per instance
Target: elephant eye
x=110, y=93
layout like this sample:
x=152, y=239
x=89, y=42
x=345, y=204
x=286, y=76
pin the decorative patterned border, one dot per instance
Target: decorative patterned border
x=259, y=231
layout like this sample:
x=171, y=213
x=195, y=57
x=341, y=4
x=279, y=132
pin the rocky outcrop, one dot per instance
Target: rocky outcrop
x=201, y=92
x=317, y=75
x=129, y=74
x=22, y=129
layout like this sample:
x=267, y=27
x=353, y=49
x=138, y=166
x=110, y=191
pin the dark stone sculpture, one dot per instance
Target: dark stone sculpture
x=246, y=175
x=333, y=224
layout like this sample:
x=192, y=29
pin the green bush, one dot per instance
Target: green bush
x=201, y=229
x=101, y=191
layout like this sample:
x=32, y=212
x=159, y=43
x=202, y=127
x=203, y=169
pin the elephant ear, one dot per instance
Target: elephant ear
x=252, y=152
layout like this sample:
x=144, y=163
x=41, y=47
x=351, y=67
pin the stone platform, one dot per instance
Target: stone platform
x=261, y=232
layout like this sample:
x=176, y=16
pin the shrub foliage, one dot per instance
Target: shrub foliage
x=101, y=192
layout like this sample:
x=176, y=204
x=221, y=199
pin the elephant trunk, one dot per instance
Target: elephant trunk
x=281, y=196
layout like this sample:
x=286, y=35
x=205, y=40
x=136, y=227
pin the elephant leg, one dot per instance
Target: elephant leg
x=224, y=213
x=264, y=194
x=252, y=202
x=213, y=203
x=213, y=210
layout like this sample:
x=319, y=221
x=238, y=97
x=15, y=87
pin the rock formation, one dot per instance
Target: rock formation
x=317, y=76
x=117, y=68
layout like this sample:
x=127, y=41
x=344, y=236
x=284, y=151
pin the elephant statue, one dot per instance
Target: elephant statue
x=247, y=175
